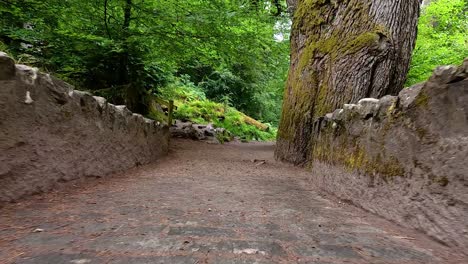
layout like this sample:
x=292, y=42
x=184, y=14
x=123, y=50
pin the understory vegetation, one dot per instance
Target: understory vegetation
x=230, y=54
x=193, y=105
x=442, y=38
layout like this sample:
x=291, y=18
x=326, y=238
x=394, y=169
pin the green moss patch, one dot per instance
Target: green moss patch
x=348, y=152
x=193, y=106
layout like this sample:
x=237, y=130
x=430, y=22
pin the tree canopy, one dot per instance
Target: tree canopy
x=125, y=49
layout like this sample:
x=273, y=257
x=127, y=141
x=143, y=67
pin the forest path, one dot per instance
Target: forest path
x=205, y=204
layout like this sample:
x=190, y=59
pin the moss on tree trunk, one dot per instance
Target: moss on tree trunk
x=342, y=51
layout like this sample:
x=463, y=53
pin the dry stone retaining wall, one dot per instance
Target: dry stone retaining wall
x=403, y=157
x=51, y=133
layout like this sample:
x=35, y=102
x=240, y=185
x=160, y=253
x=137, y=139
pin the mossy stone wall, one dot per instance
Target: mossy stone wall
x=403, y=157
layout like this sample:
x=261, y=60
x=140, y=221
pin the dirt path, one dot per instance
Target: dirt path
x=205, y=204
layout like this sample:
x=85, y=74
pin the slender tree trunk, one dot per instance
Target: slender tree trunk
x=342, y=51
x=106, y=24
x=123, y=73
x=133, y=98
x=127, y=15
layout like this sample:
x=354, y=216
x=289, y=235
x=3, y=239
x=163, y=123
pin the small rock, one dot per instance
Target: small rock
x=123, y=110
x=408, y=95
x=444, y=74
x=80, y=261
x=27, y=74
x=198, y=132
x=101, y=100
x=28, y=99
x=369, y=107
x=388, y=104
x=351, y=107
x=338, y=115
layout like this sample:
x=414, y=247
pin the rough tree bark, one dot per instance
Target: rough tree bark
x=342, y=51
x=291, y=5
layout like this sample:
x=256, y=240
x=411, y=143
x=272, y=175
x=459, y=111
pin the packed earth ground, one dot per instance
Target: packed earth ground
x=205, y=203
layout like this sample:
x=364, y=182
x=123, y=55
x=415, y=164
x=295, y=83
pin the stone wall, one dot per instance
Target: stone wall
x=403, y=157
x=50, y=133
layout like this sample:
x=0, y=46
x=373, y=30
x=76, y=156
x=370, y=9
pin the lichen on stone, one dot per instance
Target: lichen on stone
x=422, y=99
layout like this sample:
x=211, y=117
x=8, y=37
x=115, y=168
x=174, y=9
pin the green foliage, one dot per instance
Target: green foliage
x=3, y=47
x=193, y=106
x=234, y=122
x=442, y=38
x=182, y=90
x=124, y=49
x=204, y=112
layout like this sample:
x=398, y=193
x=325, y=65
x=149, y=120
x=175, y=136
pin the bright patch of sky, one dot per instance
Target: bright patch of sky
x=282, y=29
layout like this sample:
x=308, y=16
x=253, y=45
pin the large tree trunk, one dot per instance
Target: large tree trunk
x=342, y=51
